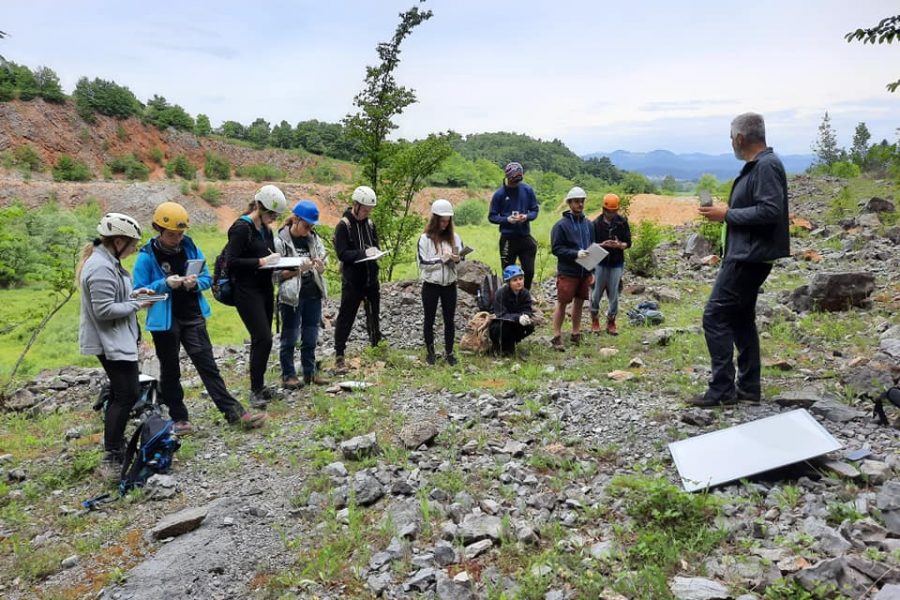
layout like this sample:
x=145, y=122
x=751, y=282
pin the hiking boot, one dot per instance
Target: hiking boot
x=430, y=357
x=250, y=420
x=748, y=396
x=315, y=379
x=575, y=339
x=557, y=344
x=258, y=399
x=291, y=383
x=340, y=365
x=611, y=326
x=595, y=325
x=707, y=401
x=110, y=469
x=451, y=359
x=183, y=428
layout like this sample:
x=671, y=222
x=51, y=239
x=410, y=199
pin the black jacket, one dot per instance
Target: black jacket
x=246, y=245
x=569, y=235
x=617, y=228
x=509, y=306
x=757, y=218
x=351, y=239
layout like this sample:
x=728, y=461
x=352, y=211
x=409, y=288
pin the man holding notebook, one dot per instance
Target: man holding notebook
x=172, y=264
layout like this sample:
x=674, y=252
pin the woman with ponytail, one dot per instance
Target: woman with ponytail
x=108, y=327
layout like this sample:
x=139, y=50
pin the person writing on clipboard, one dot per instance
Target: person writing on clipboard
x=356, y=246
x=172, y=264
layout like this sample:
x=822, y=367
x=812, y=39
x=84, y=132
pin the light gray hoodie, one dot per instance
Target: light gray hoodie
x=108, y=314
x=289, y=290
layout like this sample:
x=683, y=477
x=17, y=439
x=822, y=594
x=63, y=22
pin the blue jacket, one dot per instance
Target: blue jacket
x=569, y=235
x=506, y=200
x=756, y=223
x=148, y=274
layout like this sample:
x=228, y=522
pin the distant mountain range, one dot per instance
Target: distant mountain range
x=659, y=163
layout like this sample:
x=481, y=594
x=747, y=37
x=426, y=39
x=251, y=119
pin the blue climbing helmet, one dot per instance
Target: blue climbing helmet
x=308, y=211
x=512, y=271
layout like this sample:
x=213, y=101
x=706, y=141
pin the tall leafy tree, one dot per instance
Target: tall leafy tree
x=886, y=32
x=860, y=149
x=202, y=127
x=259, y=132
x=282, y=135
x=826, y=147
x=48, y=85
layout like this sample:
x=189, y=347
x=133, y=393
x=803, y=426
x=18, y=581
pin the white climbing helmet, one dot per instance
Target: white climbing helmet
x=365, y=196
x=442, y=208
x=575, y=192
x=271, y=198
x=113, y=224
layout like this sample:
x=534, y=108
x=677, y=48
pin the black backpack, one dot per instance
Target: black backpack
x=487, y=291
x=149, y=397
x=222, y=288
x=149, y=451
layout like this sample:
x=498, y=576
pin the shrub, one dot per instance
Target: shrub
x=470, y=212
x=181, y=166
x=106, y=98
x=130, y=166
x=712, y=232
x=323, y=173
x=156, y=155
x=260, y=172
x=216, y=167
x=27, y=158
x=162, y=115
x=17, y=250
x=202, y=126
x=48, y=85
x=122, y=133
x=211, y=195
x=185, y=188
x=70, y=169
x=845, y=170
x=641, y=257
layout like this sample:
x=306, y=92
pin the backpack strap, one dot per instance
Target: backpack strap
x=129, y=470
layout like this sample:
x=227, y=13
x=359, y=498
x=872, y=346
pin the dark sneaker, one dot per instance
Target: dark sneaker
x=251, y=420
x=258, y=399
x=704, y=400
x=291, y=383
x=451, y=359
x=430, y=358
x=315, y=379
x=748, y=396
x=575, y=339
x=557, y=344
x=183, y=428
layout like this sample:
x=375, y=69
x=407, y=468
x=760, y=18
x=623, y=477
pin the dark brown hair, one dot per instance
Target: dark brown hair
x=434, y=233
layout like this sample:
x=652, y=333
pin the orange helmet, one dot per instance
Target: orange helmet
x=611, y=202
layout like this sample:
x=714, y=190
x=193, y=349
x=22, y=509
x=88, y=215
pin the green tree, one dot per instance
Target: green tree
x=636, y=183
x=25, y=82
x=708, y=183
x=860, y=149
x=470, y=212
x=669, y=185
x=282, y=135
x=18, y=254
x=216, y=167
x=258, y=133
x=161, y=114
x=105, y=98
x=202, y=127
x=234, y=130
x=886, y=32
x=48, y=85
x=826, y=147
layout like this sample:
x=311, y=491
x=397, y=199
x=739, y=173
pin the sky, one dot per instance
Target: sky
x=598, y=75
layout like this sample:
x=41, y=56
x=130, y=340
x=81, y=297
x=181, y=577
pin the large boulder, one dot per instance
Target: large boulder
x=470, y=274
x=834, y=292
x=876, y=205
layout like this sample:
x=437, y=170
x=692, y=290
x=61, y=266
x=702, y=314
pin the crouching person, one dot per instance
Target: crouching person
x=513, y=312
x=180, y=320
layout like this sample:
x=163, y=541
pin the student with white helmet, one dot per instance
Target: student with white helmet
x=180, y=320
x=251, y=246
x=438, y=255
x=300, y=294
x=108, y=327
x=355, y=244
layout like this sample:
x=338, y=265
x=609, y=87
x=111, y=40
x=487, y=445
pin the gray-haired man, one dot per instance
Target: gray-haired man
x=756, y=222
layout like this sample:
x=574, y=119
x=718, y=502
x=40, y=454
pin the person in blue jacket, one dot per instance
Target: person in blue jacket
x=570, y=239
x=180, y=320
x=513, y=207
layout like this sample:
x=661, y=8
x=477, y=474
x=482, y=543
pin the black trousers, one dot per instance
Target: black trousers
x=124, y=390
x=729, y=322
x=446, y=294
x=521, y=248
x=351, y=296
x=256, y=307
x=195, y=339
x=506, y=334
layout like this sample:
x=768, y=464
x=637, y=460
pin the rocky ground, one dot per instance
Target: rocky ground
x=543, y=476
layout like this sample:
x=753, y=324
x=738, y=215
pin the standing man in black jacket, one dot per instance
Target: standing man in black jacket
x=356, y=245
x=756, y=222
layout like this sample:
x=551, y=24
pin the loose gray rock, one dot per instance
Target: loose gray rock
x=418, y=432
x=367, y=489
x=877, y=205
x=889, y=592
x=335, y=469
x=360, y=447
x=875, y=471
x=444, y=555
x=477, y=527
x=835, y=292
x=179, y=523
x=379, y=583
x=477, y=549
x=698, y=588
x=448, y=589
x=160, y=487
x=421, y=581
x=836, y=411
x=69, y=562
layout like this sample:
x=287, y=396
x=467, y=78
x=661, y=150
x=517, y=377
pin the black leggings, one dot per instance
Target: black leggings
x=124, y=389
x=521, y=248
x=256, y=307
x=431, y=293
x=351, y=297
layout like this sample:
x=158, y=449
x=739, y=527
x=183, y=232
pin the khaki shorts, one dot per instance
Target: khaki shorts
x=568, y=287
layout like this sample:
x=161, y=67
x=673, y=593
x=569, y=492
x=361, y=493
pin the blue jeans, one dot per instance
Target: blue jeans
x=606, y=278
x=303, y=322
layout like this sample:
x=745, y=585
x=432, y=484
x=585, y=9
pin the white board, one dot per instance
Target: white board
x=749, y=449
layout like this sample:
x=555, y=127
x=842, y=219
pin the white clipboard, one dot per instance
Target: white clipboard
x=375, y=256
x=287, y=262
x=596, y=253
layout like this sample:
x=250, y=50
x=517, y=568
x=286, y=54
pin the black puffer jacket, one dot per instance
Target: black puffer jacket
x=351, y=239
x=509, y=306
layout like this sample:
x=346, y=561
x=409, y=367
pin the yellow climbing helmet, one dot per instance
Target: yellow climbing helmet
x=171, y=215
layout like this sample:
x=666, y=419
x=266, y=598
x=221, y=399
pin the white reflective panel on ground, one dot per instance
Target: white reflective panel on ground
x=751, y=448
